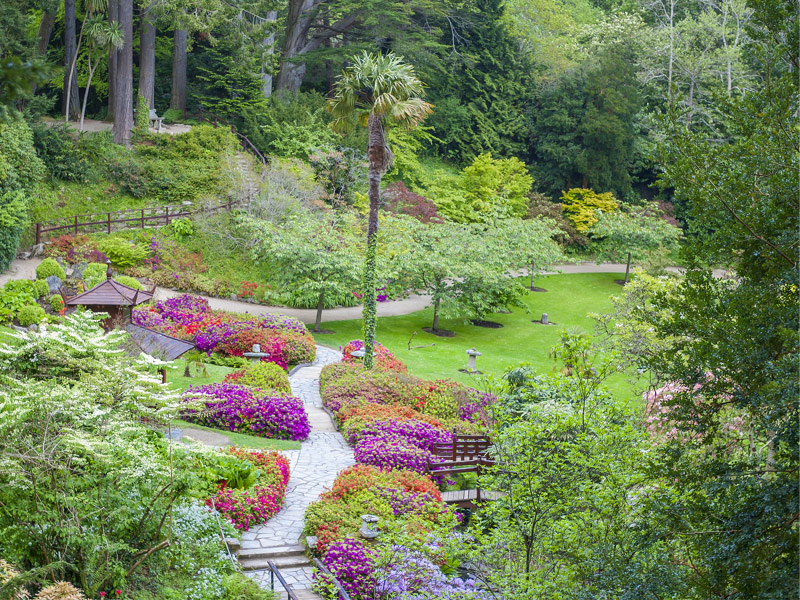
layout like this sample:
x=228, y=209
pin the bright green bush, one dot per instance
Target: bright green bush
x=172, y=115
x=94, y=271
x=142, y=115
x=20, y=170
x=131, y=282
x=14, y=296
x=264, y=375
x=122, y=252
x=30, y=314
x=56, y=302
x=581, y=206
x=49, y=267
x=41, y=288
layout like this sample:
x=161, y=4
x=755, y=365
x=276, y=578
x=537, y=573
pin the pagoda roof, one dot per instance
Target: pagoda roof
x=110, y=293
x=157, y=344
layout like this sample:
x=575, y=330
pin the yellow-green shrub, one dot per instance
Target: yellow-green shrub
x=581, y=206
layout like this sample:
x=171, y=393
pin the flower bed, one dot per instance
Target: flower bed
x=263, y=500
x=393, y=421
x=263, y=375
x=189, y=317
x=247, y=410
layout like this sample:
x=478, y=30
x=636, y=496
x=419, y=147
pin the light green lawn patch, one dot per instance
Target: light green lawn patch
x=5, y=334
x=568, y=301
x=242, y=439
x=200, y=374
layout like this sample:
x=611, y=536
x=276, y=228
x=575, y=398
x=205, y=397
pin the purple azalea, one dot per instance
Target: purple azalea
x=248, y=410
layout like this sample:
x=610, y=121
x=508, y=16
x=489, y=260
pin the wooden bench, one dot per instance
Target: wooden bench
x=155, y=120
x=465, y=454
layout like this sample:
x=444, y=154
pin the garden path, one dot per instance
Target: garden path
x=313, y=469
x=26, y=269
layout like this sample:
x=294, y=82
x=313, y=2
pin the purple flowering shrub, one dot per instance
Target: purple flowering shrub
x=248, y=410
x=392, y=451
x=351, y=562
x=412, y=575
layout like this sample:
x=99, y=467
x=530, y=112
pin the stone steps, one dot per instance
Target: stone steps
x=282, y=562
x=272, y=552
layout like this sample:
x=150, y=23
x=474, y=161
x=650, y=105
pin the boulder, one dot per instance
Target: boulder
x=33, y=327
x=77, y=270
x=54, y=283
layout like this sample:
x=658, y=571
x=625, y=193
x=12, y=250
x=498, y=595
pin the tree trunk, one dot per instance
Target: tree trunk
x=123, y=80
x=320, y=304
x=86, y=92
x=269, y=45
x=533, y=273
x=147, y=58
x=376, y=152
x=178, y=96
x=435, y=315
x=70, y=70
x=43, y=35
x=298, y=22
x=628, y=267
x=113, y=16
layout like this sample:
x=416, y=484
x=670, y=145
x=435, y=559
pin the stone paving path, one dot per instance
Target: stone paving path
x=313, y=469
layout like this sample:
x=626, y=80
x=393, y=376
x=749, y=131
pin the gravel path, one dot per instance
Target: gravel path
x=313, y=469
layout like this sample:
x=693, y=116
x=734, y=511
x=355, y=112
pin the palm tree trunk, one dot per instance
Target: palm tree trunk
x=375, y=151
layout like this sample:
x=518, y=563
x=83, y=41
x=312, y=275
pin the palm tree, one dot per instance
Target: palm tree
x=376, y=91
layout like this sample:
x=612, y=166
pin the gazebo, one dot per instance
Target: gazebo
x=111, y=297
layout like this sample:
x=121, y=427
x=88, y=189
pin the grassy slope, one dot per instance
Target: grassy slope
x=569, y=299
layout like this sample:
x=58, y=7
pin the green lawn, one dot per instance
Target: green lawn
x=568, y=301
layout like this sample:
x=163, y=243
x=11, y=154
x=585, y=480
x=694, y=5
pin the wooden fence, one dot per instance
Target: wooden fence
x=133, y=218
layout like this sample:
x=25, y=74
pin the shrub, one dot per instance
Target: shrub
x=62, y=244
x=60, y=590
x=581, y=206
x=264, y=375
x=56, y=303
x=351, y=563
x=173, y=115
x=248, y=410
x=142, y=115
x=401, y=200
x=40, y=288
x=16, y=294
x=49, y=267
x=61, y=154
x=30, y=315
x=384, y=360
x=540, y=205
x=131, y=282
x=95, y=272
x=122, y=252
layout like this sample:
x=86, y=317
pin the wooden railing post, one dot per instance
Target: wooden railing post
x=76, y=224
x=38, y=233
x=108, y=222
x=143, y=216
x=166, y=215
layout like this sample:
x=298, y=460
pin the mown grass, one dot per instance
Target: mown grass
x=568, y=302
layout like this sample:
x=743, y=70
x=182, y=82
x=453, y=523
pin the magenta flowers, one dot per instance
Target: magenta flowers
x=248, y=410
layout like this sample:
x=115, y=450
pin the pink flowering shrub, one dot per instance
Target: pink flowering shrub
x=384, y=360
x=261, y=502
x=664, y=422
x=248, y=410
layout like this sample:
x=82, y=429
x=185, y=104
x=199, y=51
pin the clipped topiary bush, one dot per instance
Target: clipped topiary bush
x=56, y=302
x=49, y=267
x=264, y=375
x=30, y=315
x=41, y=288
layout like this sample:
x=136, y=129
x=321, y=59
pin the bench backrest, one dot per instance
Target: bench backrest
x=465, y=454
